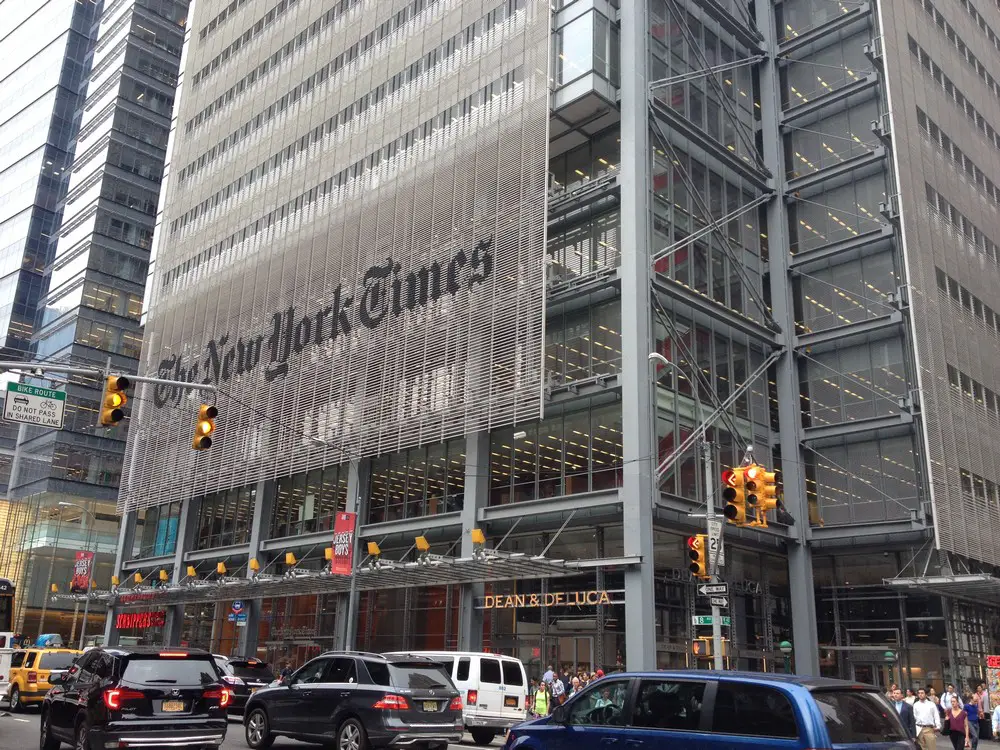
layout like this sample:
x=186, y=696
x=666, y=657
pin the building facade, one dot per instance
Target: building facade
x=759, y=192
x=92, y=272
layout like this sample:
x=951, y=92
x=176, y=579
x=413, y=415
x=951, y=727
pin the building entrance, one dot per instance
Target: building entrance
x=576, y=654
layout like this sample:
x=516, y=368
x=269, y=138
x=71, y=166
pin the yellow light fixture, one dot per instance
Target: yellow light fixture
x=191, y=572
x=54, y=588
x=164, y=576
x=254, y=565
x=220, y=568
x=478, y=537
x=422, y=544
x=137, y=578
x=328, y=553
x=115, y=580
x=290, y=558
x=373, y=549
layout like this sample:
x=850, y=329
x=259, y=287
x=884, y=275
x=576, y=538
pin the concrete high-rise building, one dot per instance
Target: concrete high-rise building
x=92, y=275
x=788, y=201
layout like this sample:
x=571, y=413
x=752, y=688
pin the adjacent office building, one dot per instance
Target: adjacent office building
x=89, y=259
x=789, y=201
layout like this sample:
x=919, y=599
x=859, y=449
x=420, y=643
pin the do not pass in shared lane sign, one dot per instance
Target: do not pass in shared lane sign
x=33, y=405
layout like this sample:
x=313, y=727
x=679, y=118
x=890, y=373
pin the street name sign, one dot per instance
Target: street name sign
x=713, y=589
x=32, y=405
x=707, y=620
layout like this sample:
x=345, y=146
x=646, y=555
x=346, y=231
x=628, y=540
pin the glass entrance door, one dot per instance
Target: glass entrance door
x=576, y=654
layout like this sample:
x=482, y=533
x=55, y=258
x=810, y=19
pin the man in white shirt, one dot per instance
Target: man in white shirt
x=928, y=721
x=558, y=691
x=949, y=692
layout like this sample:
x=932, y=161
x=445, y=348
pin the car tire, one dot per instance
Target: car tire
x=81, y=738
x=258, y=730
x=14, y=700
x=46, y=740
x=351, y=735
x=483, y=736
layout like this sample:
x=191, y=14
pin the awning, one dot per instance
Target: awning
x=431, y=571
x=976, y=587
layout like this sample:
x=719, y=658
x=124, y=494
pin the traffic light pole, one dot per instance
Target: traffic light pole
x=713, y=554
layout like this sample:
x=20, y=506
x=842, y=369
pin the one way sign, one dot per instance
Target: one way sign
x=713, y=589
x=720, y=601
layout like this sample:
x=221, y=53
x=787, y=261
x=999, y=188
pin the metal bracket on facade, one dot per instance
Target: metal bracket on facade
x=823, y=32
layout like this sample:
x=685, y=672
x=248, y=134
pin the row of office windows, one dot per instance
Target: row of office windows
x=962, y=160
x=976, y=16
x=504, y=84
x=980, y=490
x=226, y=518
x=963, y=49
x=972, y=304
x=974, y=390
x=337, y=121
x=973, y=234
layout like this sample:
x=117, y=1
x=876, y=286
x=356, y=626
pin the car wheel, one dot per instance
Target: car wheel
x=81, y=740
x=352, y=736
x=258, y=730
x=46, y=741
x=15, y=699
x=483, y=736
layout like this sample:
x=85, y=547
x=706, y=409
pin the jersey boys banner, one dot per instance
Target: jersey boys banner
x=83, y=571
x=376, y=281
x=343, y=544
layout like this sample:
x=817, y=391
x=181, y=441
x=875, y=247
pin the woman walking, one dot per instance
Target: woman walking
x=542, y=703
x=958, y=725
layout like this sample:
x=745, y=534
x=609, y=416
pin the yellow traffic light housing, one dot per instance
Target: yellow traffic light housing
x=769, y=495
x=204, y=427
x=734, y=494
x=698, y=553
x=114, y=399
x=752, y=484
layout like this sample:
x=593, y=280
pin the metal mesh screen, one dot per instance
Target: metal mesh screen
x=381, y=286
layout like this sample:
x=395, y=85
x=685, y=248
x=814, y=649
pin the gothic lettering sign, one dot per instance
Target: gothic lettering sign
x=359, y=278
x=552, y=599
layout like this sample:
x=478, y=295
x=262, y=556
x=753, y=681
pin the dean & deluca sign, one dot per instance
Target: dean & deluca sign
x=553, y=599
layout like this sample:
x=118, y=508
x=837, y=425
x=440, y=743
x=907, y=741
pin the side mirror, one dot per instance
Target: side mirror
x=560, y=715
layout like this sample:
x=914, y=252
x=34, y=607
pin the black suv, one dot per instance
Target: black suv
x=244, y=676
x=358, y=700
x=137, y=697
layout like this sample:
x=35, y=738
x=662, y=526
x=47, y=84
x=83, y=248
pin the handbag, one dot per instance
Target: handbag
x=946, y=727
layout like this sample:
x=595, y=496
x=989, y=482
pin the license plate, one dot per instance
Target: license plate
x=173, y=705
x=430, y=706
x=510, y=700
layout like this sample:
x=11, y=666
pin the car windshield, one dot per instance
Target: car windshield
x=858, y=717
x=57, y=661
x=259, y=672
x=170, y=671
x=418, y=676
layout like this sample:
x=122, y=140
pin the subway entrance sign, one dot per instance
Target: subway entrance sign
x=30, y=404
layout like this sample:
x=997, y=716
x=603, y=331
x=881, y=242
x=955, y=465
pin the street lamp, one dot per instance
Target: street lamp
x=785, y=647
x=90, y=573
x=890, y=659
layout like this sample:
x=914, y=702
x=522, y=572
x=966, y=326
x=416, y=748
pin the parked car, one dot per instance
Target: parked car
x=31, y=672
x=137, y=697
x=356, y=700
x=702, y=710
x=494, y=689
x=244, y=676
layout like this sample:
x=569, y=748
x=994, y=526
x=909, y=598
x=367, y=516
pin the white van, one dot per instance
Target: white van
x=494, y=690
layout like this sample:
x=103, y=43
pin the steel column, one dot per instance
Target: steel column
x=638, y=420
x=800, y=572
x=126, y=543
x=186, y=524
x=263, y=510
x=358, y=479
x=477, y=488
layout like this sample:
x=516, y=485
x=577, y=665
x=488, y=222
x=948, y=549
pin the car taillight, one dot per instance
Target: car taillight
x=230, y=680
x=471, y=697
x=223, y=695
x=456, y=704
x=392, y=702
x=32, y=676
x=115, y=698
x=527, y=703
x=173, y=655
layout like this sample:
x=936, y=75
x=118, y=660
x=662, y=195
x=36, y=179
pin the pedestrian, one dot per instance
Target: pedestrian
x=984, y=712
x=958, y=725
x=905, y=711
x=949, y=691
x=541, y=705
x=286, y=672
x=971, y=708
x=996, y=721
x=911, y=697
x=599, y=674
x=574, y=687
x=927, y=721
x=558, y=692
x=547, y=677
x=892, y=689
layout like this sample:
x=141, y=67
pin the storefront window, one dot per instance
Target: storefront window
x=159, y=530
x=308, y=502
x=418, y=482
x=226, y=518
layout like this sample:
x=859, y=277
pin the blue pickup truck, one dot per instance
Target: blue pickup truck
x=703, y=710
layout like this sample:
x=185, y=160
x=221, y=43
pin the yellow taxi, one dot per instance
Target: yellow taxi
x=30, y=670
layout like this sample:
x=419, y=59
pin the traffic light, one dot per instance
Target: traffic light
x=698, y=552
x=114, y=399
x=752, y=484
x=769, y=495
x=735, y=496
x=204, y=427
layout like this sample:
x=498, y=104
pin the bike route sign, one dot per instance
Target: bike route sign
x=32, y=405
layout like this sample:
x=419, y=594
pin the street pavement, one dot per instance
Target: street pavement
x=20, y=732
